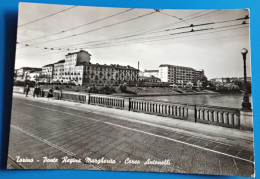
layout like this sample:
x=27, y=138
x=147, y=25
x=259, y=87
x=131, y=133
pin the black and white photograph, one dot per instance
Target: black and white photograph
x=132, y=89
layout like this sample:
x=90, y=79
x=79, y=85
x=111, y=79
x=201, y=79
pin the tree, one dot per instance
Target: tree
x=204, y=82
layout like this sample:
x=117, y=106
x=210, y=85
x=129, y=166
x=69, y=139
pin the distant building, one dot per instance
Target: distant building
x=47, y=72
x=34, y=75
x=74, y=67
x=21, y=74
x=228, y=79
x=179, y=74
x=58, y=70
x=77, y=69
x=199, y=75
x=141, y=73
x=247, y=78
x=149, y=73
x=150, y=79
x=113, y=74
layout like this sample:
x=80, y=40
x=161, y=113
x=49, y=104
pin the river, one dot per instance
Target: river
x=224, y=100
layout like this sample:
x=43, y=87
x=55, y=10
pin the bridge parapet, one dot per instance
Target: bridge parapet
x=214, y=115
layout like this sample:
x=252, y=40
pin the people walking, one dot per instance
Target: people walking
x=50, y=93
x=36, y=91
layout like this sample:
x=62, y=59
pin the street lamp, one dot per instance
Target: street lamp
x=246, y=105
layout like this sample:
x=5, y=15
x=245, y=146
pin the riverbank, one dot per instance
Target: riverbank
x=130, y=91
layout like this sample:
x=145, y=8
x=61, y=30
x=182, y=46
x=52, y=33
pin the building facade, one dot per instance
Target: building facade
x=34, y=75
x=179, y=74
x=58, y=70
x=21, y=74
x=47, y=72
x=113, y=74
x=77, y=69
x=199, y=75
x=74, y=67
x=150, y=79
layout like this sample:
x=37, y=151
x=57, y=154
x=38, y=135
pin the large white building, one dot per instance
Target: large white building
x=77, y=69
x=179, y=74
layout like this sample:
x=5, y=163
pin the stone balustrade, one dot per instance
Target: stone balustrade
x=227, y=117
x=215, y=115
x=179, y=111
x=106, y=101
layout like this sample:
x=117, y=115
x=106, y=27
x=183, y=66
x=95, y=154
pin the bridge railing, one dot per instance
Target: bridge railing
x=74, y=97
x=227, y=117
x=106, y=101
x=180, y=111
x=214, y=115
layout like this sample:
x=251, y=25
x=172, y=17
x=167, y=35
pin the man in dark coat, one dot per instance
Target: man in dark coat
x=37, y=91
x=50, y=93
x=27, y=89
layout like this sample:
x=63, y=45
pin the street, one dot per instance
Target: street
x=49, y=134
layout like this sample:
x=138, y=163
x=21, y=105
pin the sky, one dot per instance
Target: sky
x=46, y=33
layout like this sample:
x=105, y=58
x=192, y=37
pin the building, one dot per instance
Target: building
x=149, y=73
x=228, y=79
x=176, y=74
x=58, y=71
x=141, y=73
x=150, y=79
x=34, y=75
x=113, y=74
x=74, y=67
x=199, y=75
x=21, y=74
x=47, y=72
x=77, y=69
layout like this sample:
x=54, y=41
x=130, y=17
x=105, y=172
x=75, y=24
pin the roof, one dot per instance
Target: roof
x=29, y=68
x=167, y=65
x=110, y=66
x=48, y=65
x=61, y=61
x=78, y=52
x=151, y=70
x=36, y=71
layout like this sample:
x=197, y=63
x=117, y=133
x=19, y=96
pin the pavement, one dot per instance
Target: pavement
x=56, y=128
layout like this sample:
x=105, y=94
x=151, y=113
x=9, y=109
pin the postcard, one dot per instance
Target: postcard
x=131, y=89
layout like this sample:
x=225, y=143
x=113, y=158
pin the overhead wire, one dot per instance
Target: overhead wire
x=158, y=38
x=36, y=20
x=193, y=16
x=91, y=42
x=106, y=26
x=83, y=25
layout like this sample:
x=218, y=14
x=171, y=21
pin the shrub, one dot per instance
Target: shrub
x=123, y=88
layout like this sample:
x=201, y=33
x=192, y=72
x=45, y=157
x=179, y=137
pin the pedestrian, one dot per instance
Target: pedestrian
x=60, y=95
x=37, y=91
x=50, y=93
x=42, y=92
x=27, y=89
x=34, y=91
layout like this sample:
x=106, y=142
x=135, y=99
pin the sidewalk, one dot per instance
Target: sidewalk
x=221, y=134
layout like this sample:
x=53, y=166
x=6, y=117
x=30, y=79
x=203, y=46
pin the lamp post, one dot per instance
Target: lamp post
x=246, y=105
